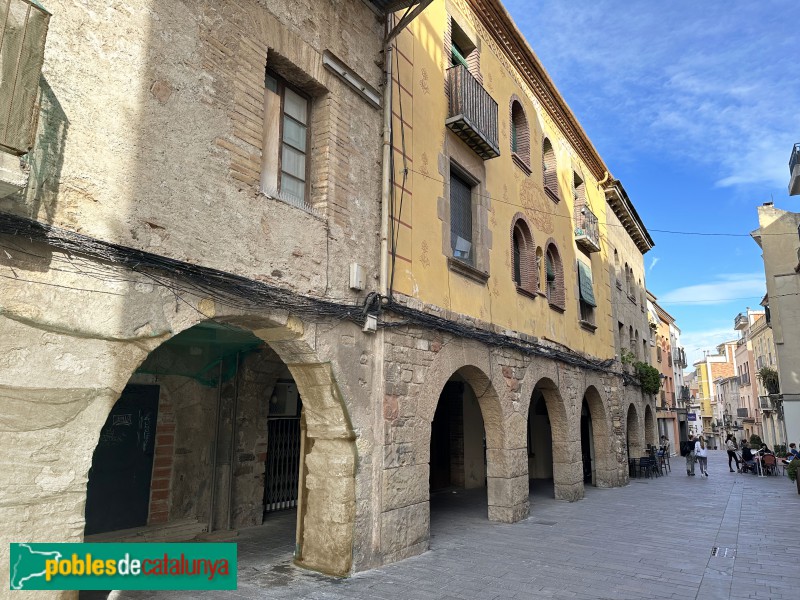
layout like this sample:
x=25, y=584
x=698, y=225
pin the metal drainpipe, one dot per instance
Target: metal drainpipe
x=387, y=169
x=214, y=454
x=235, y=431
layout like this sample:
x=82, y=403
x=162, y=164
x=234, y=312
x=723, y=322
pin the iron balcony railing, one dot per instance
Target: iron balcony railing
x=587, y=229
x=473, y=112
x=742, y=412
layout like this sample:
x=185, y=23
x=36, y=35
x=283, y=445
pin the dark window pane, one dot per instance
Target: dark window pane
x=461, y=219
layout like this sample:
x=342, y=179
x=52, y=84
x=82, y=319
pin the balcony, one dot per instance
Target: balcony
x=587, y=231
x=764, y=403
x=473, y=113
x=740, y=322
x=794, y=171
x=742, y=413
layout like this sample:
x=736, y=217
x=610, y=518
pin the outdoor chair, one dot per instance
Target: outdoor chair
x=769, y=464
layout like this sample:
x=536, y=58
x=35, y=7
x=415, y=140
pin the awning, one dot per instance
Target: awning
x=585, y=283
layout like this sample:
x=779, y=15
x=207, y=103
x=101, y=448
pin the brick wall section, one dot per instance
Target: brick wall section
x=236, y=54
x=160, y=486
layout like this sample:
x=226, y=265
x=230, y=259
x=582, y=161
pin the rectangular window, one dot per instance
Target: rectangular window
x=586, y=292
x=286, y=119
x=461, y=219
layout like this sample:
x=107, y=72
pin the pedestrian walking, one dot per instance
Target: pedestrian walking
x=701, y=452
x=687, y=451
x=730, y=446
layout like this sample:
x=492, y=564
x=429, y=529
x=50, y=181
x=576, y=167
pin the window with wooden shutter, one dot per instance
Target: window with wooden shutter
x=549, y=171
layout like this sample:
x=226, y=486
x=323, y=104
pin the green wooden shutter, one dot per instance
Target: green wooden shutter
x=585, y=283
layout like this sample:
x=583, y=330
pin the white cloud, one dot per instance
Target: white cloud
x=653, y=263
x=696, y=342
x=726, y=288
x=699, y=82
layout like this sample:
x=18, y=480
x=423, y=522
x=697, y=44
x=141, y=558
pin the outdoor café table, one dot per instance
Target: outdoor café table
x=760, y=469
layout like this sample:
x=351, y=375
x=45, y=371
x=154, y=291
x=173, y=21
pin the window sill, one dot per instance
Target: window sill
x=467, y=271
x=518, y=160
x=523, y=292
x=553, y=196
x=557, y=308
x=631, y=298
x=619, y=286
x=590, y=327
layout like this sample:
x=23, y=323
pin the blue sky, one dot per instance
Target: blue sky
x=694, y=106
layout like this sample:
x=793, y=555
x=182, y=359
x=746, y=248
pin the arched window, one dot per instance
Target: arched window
x=520, y=136
x=616, y=269
x=636, y=344
x=554, y=272
x=549, y=172
x=523, y=256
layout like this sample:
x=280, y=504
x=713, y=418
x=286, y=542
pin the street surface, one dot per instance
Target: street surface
x=651, y=539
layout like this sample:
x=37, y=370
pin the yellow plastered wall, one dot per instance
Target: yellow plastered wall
x=422, y=146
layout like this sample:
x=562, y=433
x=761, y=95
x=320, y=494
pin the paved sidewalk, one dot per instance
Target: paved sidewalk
x=651, y=539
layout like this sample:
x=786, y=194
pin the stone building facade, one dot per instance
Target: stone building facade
x=196, y=255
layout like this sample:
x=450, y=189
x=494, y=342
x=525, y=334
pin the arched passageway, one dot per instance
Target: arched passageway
x=650, y=430
x=211, y=434
x=633, y=433
x=549, y=460
x=458, y=458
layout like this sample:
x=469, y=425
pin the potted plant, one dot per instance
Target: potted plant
x=791, y=471
x=769, y=379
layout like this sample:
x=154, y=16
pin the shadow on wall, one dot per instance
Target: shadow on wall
x=47, y=157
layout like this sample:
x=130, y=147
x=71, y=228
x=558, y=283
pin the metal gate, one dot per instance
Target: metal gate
x=283, y=464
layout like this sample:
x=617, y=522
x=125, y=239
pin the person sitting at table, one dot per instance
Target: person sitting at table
x=748, y=460
x=765, y=450
x=792, y=454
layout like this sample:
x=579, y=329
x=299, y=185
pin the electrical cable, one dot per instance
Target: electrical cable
x=240, y=292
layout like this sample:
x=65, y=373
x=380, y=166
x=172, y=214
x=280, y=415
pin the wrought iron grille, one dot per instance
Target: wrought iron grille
x=473, y=112
x=283, y=464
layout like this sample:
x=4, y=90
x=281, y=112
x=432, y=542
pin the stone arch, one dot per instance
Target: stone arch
x=634, y=436
x=542, y=378
x=325, y=537
x=650, y=429
x=495, y=387
x=605, y=453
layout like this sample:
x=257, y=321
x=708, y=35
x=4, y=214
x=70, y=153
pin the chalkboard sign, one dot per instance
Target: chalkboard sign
x=118, y=493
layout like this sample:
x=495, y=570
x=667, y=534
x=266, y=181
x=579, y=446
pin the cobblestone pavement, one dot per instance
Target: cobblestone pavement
x=651, y=539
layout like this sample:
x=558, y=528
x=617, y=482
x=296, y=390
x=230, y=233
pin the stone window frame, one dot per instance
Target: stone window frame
x=529, y=276
x=519, y=132
x=556, y=294
x=550, y=170
x=481, y=235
